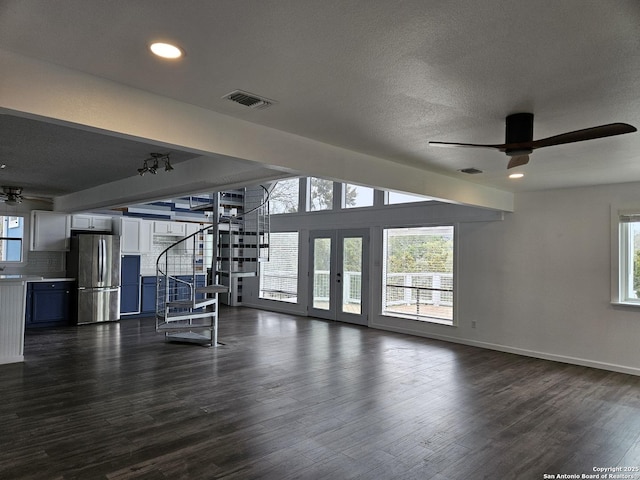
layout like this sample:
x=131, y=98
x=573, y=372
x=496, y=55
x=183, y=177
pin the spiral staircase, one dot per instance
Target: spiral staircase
x=196, y=272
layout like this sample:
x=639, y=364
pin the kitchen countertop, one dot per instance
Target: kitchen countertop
x=32, y=278
x=52, y=279
x=20, y=278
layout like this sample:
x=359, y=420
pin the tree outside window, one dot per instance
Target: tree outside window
x=418, y=273
x=284, y=196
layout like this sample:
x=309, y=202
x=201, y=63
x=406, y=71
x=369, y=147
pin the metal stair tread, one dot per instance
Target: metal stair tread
x=190, y=304
x=168, y=327
x=176, y=317
x=212, y=289
x=237, y=274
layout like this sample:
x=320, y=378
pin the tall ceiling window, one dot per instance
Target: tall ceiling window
x=320, y=194
x=284, y=196
x=354, y=196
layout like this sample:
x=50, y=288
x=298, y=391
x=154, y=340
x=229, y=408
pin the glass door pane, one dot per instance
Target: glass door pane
x=338, y=280
x=321, y=291
x=352, y=275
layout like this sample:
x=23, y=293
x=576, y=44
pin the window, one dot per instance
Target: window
x=629, y=258
x=394, y=198
x=354, y=196
x=418, y=273
x=279, y=276
x=11, y=235
x=284, y=196
x=320, y=196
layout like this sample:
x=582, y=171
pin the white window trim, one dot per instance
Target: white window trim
x=259, y=283
x=23, y=242
x=453, y=323
x=620, y=252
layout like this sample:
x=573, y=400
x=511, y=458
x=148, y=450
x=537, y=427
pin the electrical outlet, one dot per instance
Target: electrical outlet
x=473, y=324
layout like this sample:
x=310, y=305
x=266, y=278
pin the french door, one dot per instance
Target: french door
x=339, y=275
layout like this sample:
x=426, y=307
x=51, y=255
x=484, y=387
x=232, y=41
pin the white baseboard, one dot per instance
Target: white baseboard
x=12, y=359
x=584, y=362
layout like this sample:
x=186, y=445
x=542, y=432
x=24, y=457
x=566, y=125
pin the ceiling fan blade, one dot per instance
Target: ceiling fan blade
x=466, y=145
x=592, y=133
x=518, y=161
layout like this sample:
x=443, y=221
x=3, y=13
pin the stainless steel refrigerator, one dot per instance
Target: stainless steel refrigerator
x=94, y=261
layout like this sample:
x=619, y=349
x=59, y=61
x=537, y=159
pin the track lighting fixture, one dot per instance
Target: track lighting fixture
x=151, y=165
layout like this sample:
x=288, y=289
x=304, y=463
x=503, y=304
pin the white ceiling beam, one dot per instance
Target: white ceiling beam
x=52, y=93
x=202, y=174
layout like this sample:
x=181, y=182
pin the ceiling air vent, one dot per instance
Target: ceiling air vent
x=248, y=99
x=471, y=171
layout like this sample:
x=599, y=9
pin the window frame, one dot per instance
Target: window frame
x=309, y=192
x=4, y=237
x=344, y=191
x=298, y=208
x=623, y=256
x=454, y=281
x=297, y=273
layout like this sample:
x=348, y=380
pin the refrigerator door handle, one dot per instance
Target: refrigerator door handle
x=99, y=279
x=103, y=260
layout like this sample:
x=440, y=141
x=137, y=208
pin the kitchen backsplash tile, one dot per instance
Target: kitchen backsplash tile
x=46, y=264
x=160, y=242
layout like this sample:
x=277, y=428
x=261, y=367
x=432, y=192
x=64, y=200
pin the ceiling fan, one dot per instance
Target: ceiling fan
x=519, y=142
x=11, y=195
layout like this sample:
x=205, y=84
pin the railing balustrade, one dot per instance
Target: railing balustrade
x=405, y=293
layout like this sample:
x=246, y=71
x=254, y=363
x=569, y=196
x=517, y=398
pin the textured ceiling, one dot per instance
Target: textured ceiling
x=374, y=76
x=49, y=160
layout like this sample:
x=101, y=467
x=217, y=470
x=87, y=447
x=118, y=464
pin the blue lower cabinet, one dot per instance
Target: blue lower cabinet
x=130, y=284
x=148, y=304
x=149, y=290
x=200, y=282
x=49, y=304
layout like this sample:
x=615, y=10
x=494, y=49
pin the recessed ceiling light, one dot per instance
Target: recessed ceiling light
x=516, y=175
x=166, y=50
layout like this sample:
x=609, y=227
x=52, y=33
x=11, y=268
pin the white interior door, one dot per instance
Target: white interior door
x=339, y=276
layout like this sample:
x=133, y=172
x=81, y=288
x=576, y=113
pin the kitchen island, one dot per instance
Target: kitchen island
x=12, y=307
x=13, y=289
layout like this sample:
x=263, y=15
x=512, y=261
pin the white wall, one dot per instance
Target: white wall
x=538, y=282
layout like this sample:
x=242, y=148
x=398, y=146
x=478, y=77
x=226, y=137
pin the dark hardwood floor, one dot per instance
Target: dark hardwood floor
x=290, y=397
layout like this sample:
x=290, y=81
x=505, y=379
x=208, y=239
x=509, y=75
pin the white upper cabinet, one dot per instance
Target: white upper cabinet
x=161, y=227
x=135, y=234
x=83, y=221
x=50, y=231
x=191, y=228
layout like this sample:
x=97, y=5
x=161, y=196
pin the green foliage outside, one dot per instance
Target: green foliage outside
x=284, y=196
x=407, y=253
x=419, y=253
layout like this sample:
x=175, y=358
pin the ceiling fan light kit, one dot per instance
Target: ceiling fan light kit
x=11, y=195
x=519, y=143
